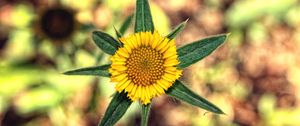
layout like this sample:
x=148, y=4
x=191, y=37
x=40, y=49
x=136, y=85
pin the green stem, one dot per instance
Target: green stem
x=145, y=114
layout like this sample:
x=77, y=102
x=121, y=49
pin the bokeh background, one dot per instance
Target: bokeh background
x=254, y=77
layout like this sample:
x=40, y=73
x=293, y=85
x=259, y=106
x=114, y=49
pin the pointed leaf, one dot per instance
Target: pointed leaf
x=181, y=92
x=126, y=24
x=105, y=42
x=145, y=114
x=177, y=30
x=95, y=71
x=192, y=53
x=143, y=19
x=116, y=109
x=119, y=35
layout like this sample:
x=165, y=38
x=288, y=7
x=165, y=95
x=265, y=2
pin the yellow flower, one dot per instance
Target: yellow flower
x=145, y=66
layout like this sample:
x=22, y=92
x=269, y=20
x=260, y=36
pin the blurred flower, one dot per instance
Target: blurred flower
x=56, y=23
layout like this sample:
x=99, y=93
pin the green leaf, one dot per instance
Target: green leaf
x=116, y=109
x=95, y=71
x=143, y=19
x=145, y=114
x=119, y=35
x=177, y=30
x=181, y=92
x=192, y=53
x=105, y=42
x=126, y=24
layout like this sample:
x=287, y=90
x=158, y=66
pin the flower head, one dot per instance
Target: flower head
x=145, y=66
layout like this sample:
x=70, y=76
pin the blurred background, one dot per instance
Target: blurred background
x=254, y=77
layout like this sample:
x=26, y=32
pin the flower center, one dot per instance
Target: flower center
x=145, y=66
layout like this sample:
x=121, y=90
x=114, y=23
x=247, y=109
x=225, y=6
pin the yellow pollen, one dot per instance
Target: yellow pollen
x=145, y=66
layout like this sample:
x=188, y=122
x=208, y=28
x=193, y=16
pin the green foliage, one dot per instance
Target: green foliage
x=116, y=109
x=145, y=114
x=177, y=30
x=181, y=92
x=124, y=27
x=105, y=42
x=95, y=71
x=126, y=24
x=192, y=53
x=119, y=35
x=143, y=19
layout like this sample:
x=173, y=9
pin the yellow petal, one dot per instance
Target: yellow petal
x=133, y=41
x=153, y=38
x=162, y=84
x=119, y=67
x=143, y=38
x=128, y=49
x=119, y=63
x=110, y=70
x=172, y=57
x=155, y=93
x=129, y=87
x=120, y=84
x=178, y=73
x=170, y=52
x=124, y=85
x=171, y=63
x=168, y=79
x=171, y=77
x=148, y=93
x=171, y=72
x=148, y=38
x=142, y=95
x=158, y=89
x=152, y=90
x=117, y=56
x=129, y=43
x=169, y=44
x=138, y=92
x=146, y=97
x=120, y=77
x=123, y=52
x=115, y=73
x=171, y=68
x=162, y=44
x=133, y=92
x=138, y=39
x=155, y=42
x=113, y=58
x=134, y=89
